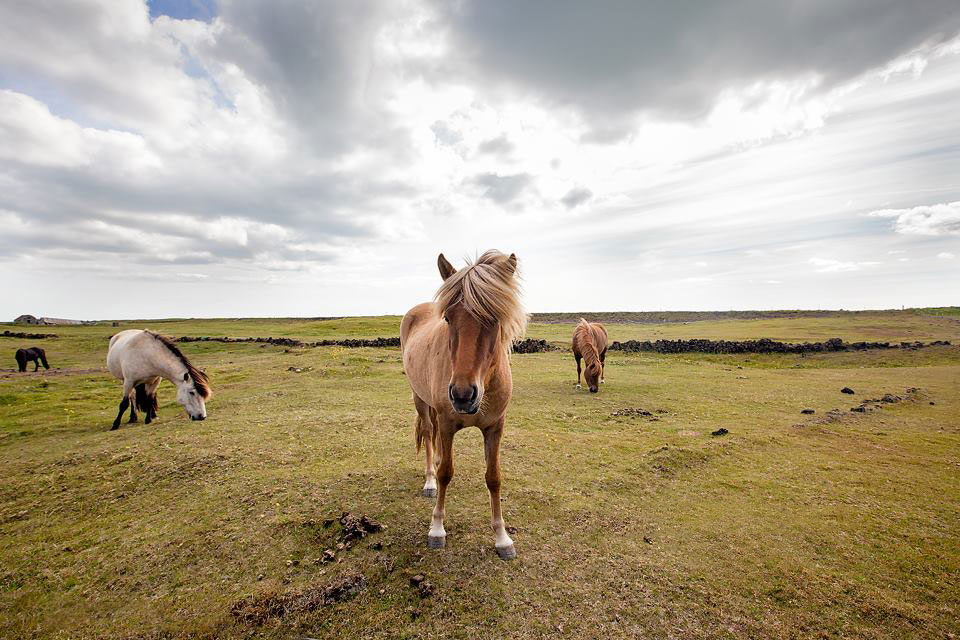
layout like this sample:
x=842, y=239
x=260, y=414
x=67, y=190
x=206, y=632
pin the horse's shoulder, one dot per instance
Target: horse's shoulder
x=416, y=316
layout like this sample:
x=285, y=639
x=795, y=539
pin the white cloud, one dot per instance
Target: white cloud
x=945, y=255
x=924, y=220
x=305, y=149
x=828, y=265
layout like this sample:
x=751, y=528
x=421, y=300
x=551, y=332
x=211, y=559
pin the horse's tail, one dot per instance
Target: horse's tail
x=145, y=402
x=425, y=430
x=43, y=358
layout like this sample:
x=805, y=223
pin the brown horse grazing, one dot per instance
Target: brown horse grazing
x=590, y=343
x=36, y=354
x=456, y=355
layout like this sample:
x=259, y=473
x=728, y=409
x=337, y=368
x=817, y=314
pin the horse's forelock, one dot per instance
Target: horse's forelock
x=489, y=290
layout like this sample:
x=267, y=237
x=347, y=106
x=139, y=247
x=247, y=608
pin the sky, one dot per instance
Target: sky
x=226, y=158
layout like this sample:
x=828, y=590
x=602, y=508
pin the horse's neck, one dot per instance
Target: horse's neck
x=169, y=366
x=588, y=348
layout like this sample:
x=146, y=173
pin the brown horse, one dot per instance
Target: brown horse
x=590, y=343
x=456, y=355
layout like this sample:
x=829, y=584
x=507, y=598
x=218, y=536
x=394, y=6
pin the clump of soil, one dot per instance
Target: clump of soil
x=423, y=586
x=633, y=412
x=354, y=528
x=719, y=432
x=259, y=609
x=847, y=390
x=808, y=412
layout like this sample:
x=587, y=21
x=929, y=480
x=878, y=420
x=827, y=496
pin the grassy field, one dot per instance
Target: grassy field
x=831, y=525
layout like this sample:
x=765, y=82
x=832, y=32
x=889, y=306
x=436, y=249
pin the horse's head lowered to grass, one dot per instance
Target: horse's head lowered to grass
x=481, y=306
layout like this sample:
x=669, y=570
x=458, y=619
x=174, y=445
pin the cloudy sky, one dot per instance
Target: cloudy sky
x=311, y=158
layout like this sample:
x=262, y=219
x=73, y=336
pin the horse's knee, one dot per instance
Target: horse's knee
x=444, y=474
x=493, y=484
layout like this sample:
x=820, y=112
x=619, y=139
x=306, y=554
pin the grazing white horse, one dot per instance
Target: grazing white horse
x=141, y=359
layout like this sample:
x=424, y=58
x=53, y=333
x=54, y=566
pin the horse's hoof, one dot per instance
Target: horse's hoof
x=114, y=427
x=578, y=387
x=436, y=542
x=429, y=493
x=507, y=553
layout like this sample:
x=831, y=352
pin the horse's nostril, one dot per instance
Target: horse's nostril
x=475, y=391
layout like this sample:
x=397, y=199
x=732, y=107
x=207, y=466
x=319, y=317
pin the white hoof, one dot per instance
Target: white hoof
x=436, y=542
x=578, y=386
x=507, y=553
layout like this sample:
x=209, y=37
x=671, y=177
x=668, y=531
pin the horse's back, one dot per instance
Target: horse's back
x=418, y=332
x=120, y=347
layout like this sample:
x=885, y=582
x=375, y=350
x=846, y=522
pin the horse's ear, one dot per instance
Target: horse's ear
x=446, y=269
x=512, y=261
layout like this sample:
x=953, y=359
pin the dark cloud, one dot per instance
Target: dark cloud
x=502, y=189
x=576, y=196
x=614, y=58
x=499, y=146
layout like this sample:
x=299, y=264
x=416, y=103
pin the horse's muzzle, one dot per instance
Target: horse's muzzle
x=198, y=417
x=464, y=400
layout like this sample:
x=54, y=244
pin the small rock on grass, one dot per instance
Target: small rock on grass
x=808, y=412
x=847, y=390
x=719, y=432
x=860, y=409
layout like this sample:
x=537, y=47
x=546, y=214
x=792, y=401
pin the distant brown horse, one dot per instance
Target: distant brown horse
x=590, y=343
x=36, y=354
x=456, y=355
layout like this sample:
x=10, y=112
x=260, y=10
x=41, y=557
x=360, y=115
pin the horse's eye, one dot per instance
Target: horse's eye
x=446, y=319
x=193, y=393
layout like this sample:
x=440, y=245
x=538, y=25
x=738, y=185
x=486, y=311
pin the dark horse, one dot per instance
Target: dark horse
x=33, y=353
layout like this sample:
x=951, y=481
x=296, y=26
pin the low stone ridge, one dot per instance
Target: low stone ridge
x=530, y=345
x=27, y=336
x=764, y=345
x=293, y=342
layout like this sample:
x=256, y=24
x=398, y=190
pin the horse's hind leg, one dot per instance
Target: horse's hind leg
x=425, y=427
x=603, y=356
x=578, y=356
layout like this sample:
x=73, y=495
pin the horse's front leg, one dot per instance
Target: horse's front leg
x=491, y=450
x=36, y=364
x=437, y=536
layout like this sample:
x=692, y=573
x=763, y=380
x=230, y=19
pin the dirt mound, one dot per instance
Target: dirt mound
x=631, y=412
x=27, y=336
x=259, y=609
x=354, y=528
x=12, y=373
x=763, y=345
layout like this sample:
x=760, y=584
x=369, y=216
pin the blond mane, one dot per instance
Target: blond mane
x=490, y=291
x=584, y=340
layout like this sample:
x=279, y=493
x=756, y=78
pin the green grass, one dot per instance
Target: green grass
x=790, y=526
